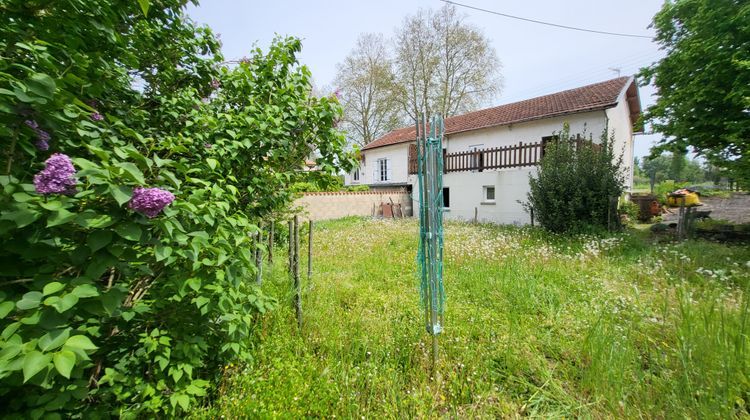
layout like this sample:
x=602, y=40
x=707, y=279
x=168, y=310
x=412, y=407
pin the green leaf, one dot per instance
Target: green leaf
x=197, y=388
x=22, y=217
x=5, y=308
x=85, y=291
x=22, y=197
x=41, y=85
x=89, y=219
x=162, y=252
x=51, y=205
x=80, y=342
x=121, y=194
x=212, y=163
x=53, y=339
x=144, y=6
x=33, y=363
x=181, y=399
x=98, y=239
x=194, y=283
x=134, y=173
x=66, y=302
x=129, y=231
x=29, y=301
x=60, y=217
x=64, y=361
x=52, y=287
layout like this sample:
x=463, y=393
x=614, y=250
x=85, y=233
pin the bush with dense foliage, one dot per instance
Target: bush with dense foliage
x=577, y=185
x=135, y=169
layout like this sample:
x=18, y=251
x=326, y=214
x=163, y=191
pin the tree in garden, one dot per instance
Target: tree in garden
x=443, y=65
x=365, y=80
x=577, y=184
x=703, y=83
x=135, y=168
x=440, y=66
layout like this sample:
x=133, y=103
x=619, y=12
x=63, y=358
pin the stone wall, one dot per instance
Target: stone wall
x=335, y=205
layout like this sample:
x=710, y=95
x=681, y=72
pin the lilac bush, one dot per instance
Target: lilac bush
x=150, y=201
x=43, y=137
x=57, y=177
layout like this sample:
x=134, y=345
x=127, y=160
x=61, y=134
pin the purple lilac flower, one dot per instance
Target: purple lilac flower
x=337, y=93
x=43, y=137
x=97, y=116
x=150, y=201
x=215, y=83
x=205, y=100
x=57, y=177
x=208, y=145
x=42, y=145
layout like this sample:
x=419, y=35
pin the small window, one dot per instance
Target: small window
x=355, y=175
x=446, y=197
x=489, y=193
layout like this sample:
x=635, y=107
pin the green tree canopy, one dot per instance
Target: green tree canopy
x=703, y=83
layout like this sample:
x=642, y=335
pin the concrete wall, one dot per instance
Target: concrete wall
x=467, y=195
x=335, y=205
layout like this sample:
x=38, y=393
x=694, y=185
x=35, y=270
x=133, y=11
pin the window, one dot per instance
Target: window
x=383, y=170
x=355, y=175
x=446, y=197
x=488, y=193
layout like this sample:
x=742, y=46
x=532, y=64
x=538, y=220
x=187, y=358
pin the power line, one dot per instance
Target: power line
x=546, y=23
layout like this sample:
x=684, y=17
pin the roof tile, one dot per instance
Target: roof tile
x=587, y=98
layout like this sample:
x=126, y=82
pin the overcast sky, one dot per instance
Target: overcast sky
x=536, y=59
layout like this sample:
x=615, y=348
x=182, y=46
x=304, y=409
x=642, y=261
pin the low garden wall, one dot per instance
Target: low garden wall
x=335, y=205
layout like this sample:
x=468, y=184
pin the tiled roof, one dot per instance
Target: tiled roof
x=598, y=96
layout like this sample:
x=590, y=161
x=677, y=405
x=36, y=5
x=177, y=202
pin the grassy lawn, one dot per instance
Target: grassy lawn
x=536, y=325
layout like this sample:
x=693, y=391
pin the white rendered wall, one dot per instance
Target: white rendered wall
x=399, y=156
x=467, y=195
x=622, y=128
x=528, y=132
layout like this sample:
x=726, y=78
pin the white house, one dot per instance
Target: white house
x=490, y=153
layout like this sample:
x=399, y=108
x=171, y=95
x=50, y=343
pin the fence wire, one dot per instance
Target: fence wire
x=430, y=254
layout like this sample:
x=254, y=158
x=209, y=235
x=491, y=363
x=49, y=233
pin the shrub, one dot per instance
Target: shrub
x=629, y=209
x=136, y=169
x=358, y=188
x=577, y=184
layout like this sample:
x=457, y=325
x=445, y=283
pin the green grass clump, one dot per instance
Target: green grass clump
x=536, y=325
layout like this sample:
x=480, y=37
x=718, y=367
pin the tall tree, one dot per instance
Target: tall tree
x=703, y=83
x=365, y=79
x=443, y=65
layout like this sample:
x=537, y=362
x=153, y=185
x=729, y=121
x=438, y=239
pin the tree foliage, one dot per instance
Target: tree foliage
x=577, y=184
x=366, y=79
x=444, y=66
x=104, y=310
x=703, y=83
x=440, y=65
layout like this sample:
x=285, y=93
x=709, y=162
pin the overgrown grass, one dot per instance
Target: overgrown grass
x=536, y=325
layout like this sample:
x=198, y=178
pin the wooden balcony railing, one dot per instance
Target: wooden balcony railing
x=513, y=156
